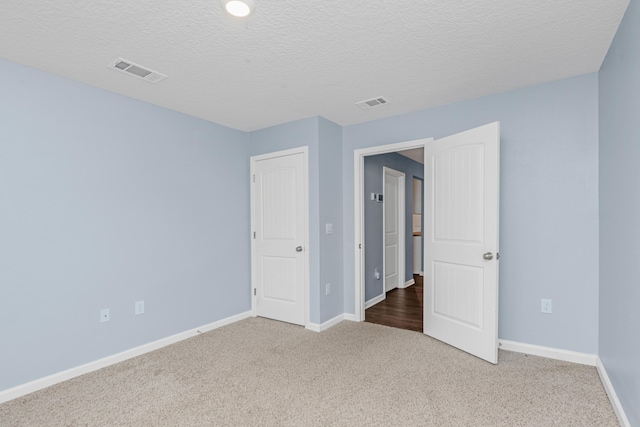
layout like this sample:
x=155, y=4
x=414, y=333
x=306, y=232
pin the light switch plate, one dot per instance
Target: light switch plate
x=139, y=307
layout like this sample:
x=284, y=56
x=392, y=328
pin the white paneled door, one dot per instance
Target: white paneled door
x=461, y=240
x=393, y=214
x=279, y=260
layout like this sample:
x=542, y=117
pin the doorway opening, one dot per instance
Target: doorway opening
x=399, y=301
x=385, y=299
x=403, y=308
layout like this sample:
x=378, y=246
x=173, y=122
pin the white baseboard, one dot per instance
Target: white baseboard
x=373, y=301
x=407, y=284
x=319, y=327
x=350, y=317
x=30, y=387
x=549, y=352
x=613, y=397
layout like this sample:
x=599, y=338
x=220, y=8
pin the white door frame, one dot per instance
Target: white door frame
x=305, y=153
x=358, y=200
x=401, y=222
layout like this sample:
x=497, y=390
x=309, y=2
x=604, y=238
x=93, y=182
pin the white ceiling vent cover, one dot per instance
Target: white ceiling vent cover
x=136, y=70
x=373, y=102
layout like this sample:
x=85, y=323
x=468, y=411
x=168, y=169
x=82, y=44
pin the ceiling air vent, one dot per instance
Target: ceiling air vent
x=136, y=70
x=373, y=102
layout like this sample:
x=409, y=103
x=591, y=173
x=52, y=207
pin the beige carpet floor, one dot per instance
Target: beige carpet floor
x=259, y=372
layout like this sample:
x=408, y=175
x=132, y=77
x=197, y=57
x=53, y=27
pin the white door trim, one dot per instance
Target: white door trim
x=253, y=159
x=358, y=199
x=401, y=188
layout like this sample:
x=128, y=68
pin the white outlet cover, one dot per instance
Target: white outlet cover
x=104, y=315
x=546, y=306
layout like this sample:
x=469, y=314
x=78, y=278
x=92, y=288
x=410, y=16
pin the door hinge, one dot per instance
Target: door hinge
x=497, y=256
x=254, y=178
x=359, y=245
x=254, y=292
x=254, y=234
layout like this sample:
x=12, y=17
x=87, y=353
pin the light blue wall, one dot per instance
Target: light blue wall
x=105, y=201
x=548, y=209
x=373, y=216
x=331, y=250
x=619, y=84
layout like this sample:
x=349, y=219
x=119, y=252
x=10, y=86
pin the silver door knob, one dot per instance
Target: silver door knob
x=299, y=249
x=488, y=256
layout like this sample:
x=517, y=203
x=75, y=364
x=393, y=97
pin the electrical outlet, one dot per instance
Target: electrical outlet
x=546, y=306
x=104, y=315
x=376, y=274
x=139, y=307
x=328, y=289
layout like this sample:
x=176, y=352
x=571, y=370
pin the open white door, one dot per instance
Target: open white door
x=461, y=240
x=394, y=230
x=280, y=217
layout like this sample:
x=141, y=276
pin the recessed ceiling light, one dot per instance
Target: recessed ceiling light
x=239, y=8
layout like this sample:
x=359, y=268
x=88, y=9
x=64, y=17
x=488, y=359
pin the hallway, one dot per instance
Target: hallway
x=402, y=308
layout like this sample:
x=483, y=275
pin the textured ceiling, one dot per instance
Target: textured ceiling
x=293, y=59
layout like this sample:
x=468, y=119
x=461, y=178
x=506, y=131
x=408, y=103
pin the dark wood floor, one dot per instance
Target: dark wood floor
x=402, y=308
